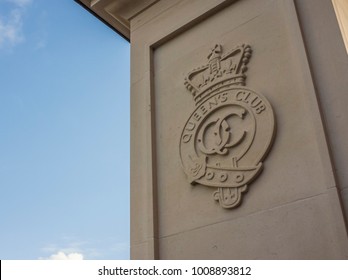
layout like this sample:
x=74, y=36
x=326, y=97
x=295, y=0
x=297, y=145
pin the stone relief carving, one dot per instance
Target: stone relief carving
x=231, y=129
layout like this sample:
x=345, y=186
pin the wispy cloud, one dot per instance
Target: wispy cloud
x=21, y=3
x=41, y=44
x=64, y=256
x=68, y=246
x=11, y=23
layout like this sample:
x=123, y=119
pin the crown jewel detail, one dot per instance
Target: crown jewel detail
x=222, y=70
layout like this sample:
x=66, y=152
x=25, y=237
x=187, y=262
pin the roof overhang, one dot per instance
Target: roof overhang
x=117, y=13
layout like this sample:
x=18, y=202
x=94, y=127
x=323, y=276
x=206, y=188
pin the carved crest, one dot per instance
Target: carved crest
x=231, y=129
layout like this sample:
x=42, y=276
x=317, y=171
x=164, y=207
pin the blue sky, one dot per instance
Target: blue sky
x=64, y=133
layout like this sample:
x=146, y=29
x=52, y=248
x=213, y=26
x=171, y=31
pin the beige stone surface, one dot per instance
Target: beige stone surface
x=279, y=71
x=290, y=231
x=341, y=9
x=329, y=67
x=292, y=210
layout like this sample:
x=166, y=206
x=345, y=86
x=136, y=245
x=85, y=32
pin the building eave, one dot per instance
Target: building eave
x=124, y=35
x=116, y=14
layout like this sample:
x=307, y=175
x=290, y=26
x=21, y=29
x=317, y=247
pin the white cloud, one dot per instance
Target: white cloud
x=70, y=248
x=63, y=256
x=11, y=25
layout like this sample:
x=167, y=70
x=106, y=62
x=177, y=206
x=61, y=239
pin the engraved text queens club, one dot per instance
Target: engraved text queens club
x=230, y=130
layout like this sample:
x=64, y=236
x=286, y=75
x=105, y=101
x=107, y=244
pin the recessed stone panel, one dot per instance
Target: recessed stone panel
x=295, y=167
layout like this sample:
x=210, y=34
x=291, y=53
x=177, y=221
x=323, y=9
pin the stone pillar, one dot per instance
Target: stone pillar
x=239, y=130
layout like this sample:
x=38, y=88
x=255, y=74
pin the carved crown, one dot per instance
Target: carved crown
x=222, y=70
